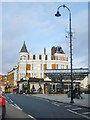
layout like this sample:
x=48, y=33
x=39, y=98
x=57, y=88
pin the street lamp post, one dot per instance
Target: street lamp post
x=70, y=35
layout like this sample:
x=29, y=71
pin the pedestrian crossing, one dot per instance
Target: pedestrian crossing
x=84, y=112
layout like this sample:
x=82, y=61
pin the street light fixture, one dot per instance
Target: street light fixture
x=57, y=14
x=70, y=35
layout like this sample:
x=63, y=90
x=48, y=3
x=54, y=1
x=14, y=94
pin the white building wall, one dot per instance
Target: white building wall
x=84, y=82
x=89, y=79
x=37, y=65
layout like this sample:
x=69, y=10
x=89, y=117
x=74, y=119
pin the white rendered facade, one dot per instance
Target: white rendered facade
x=34, y=65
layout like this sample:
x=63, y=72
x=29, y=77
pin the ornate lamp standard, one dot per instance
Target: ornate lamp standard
x=70, y=35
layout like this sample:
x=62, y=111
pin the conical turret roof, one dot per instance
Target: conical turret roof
x=24, y=48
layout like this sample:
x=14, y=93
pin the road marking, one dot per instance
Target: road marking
x=55, y=103
x=27, y=95
x=15, y=104
x=60, y=103
x=78, y=114
x=18, y=107
x=12, y=105
x=11, y=100
x=77, y=108
x=46, y=100
x=67, y=106
x=31, y=117
x=7, y=97
x=86, y=113
x=39, y=98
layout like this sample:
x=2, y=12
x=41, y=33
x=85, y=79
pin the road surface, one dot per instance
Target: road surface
x=38, y=108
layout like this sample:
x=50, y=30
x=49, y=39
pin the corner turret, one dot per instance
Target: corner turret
x=23, y=52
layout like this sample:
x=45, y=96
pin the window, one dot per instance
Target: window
x=51, y=57
x=62, y=66
x=46, y=57
x=28, y=67
x=66, y=66
x=53, y=66
x=24, y=57
x=28, y=75
x=65, y=86
x=32, y=66
x=39, y=57
x=41, y=75
x=56, y=66
x=41, y=66
x=45, y=66
x=65, y=58
x=44, y=76
x=54, y=87
x=33, y=57
x=21, y=58
x=58, y=58
x=5, y=78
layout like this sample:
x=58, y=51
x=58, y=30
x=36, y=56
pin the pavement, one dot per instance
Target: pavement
x=63, y=98
x=13, y=112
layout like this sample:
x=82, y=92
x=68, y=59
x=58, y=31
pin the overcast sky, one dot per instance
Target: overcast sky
x=36, y=24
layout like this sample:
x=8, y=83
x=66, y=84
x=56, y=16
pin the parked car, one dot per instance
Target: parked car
x=2, y=107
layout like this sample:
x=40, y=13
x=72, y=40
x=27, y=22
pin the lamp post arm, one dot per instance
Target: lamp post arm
x=64, y=7
x=59, y=7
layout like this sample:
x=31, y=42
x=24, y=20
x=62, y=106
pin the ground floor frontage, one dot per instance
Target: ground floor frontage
x=35, y=86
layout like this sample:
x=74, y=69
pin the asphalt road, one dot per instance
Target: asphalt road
x=40, y=108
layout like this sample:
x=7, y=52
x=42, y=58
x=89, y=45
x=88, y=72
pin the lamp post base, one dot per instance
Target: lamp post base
x=71, y=101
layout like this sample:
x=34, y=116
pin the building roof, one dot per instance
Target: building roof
x=57, y=49
x=77, y=73
x=24, y=48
